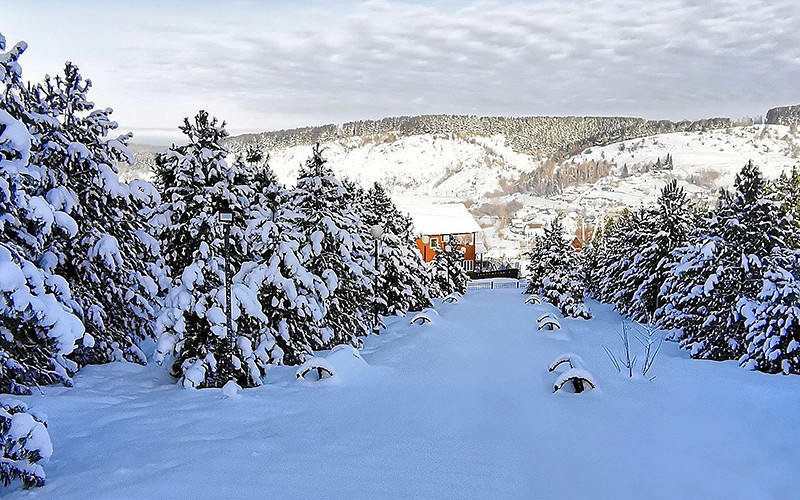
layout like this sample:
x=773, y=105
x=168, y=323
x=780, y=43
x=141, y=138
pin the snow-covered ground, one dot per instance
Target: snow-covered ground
x=461, y=407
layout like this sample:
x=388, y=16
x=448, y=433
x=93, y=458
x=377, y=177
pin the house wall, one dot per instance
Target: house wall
x=466, y=240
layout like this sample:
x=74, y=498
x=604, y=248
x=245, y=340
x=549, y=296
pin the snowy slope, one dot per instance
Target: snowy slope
x=459, y=408
x=428, y=165
x=488, y=173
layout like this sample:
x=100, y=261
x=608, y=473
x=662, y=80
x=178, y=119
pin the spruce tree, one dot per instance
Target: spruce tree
x=402, y=282
x=39, y=323
x=723, y=264
x=107, y=256
x=555, y=272
x=196, y=184
x=335, y=251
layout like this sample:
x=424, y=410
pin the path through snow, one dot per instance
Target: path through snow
x=458, y=408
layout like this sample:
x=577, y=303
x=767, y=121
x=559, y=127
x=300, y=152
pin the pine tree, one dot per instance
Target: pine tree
x=336, y=252
x=660, y=231
x=38, y=317
x=403, y=280
x=723, y=264
x=772, y=318
x=448, y=274
x=107, y=255
x=24, y=442
x=293, y=298
x=555, y=272
x=196, y=184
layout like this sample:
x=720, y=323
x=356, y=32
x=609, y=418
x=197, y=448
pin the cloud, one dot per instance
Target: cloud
x=265, y=65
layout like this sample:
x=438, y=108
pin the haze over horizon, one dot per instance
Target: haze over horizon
x=263, y=65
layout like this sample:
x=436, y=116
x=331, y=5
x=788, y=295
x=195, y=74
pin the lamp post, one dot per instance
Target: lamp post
x=447, y=249
x=425, y=240
x=376, y=231
x=226, y=218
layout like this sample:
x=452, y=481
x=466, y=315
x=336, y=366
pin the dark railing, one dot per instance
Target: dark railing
x=502, y=273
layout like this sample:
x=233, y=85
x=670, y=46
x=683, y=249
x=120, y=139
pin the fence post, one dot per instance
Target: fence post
x=491, y=284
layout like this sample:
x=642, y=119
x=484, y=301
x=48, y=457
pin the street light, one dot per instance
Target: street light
x=376, y=231
x=226, y=218
x=447, y=249
x=425, y=240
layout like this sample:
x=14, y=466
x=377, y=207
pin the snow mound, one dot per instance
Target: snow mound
x=570, y=358
x=579, y=379
x=533, y=299
x=231, y=389
x=343, y=362
x=451, y=299
x=549, y=323
x=420, y=319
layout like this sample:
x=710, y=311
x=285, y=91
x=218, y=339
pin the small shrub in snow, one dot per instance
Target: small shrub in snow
x=451, y=299
x=651, y=339
x=549, y=322
x=25, y=442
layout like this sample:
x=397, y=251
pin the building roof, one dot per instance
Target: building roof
x=449, y=218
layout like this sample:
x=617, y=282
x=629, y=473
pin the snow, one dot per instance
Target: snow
x=14, y=136
x=446, y=218
x=11, y=277
x=461, y=409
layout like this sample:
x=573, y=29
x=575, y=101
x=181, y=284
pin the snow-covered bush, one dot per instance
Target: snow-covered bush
x=554, y=272
x=25, y=443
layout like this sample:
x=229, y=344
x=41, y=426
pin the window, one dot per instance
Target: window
x=434, y=242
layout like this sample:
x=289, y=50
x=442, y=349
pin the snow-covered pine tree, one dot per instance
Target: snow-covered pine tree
x=336, y=252
x=38, y=322
x=24, y=442
x=773, y=317
x=448, y=274
x=196, y=184
x=403, y=279
x=555, y=273
x=659, y=232
x=293, y=298
x=786, y=191
x=723, y=264
x=107, y=255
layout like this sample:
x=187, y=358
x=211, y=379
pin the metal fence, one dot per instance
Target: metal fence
x=491, y=285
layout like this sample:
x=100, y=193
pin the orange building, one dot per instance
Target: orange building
x=440, y=226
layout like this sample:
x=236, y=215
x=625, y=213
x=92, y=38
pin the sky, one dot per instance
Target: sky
x=268, y=65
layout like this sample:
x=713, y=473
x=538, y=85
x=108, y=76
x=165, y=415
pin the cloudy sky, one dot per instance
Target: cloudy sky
x=266, y=65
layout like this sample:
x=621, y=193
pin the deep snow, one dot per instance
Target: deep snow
x=458, y=408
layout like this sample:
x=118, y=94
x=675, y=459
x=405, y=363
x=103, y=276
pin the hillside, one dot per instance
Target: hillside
x=515, y=173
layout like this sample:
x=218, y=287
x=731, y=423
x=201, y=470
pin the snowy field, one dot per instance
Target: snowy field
x=461, y=407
